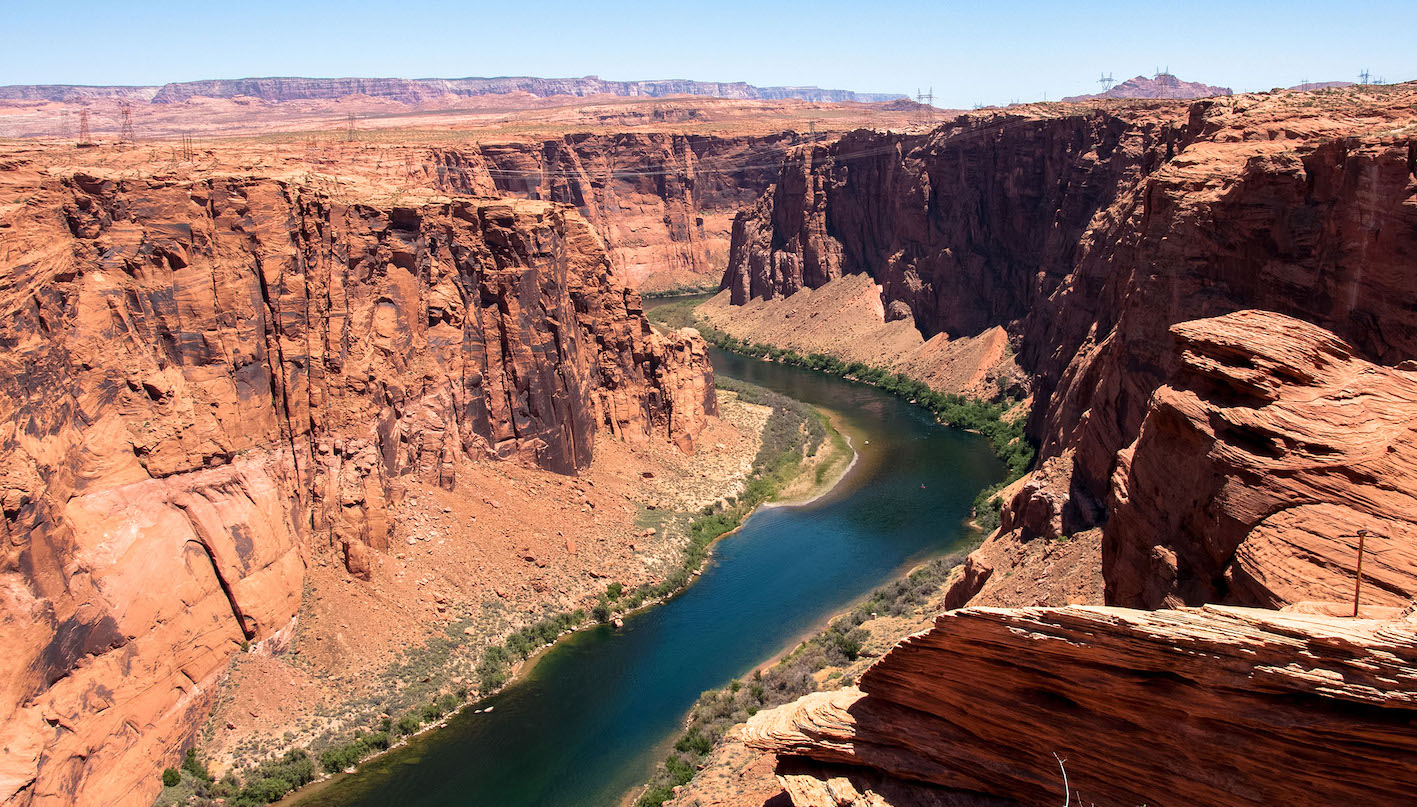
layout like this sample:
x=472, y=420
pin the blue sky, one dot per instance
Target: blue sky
x=976, y=52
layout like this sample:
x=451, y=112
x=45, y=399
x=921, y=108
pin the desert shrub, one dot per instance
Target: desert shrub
x=193, y=765
x=408, y=724
x=431, y=712
x=170, y=777
x=602, y=611
x=272, y=779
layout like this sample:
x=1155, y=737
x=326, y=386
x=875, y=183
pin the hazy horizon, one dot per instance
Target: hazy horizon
x=969, y=55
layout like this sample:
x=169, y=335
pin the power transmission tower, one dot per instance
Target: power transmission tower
x=1106, y=80
x=349, y=133
x=125, y=114
x=188, y=152
x=926, y=108
x=66, y=128
x=85, y=137
x=1364, y=76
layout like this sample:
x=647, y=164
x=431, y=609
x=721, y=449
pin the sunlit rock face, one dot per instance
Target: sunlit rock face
x=209, y=383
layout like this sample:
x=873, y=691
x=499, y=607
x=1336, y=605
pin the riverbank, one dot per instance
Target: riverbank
x=615, y=695
x=822, y=473
x=789, y=449
x=545, y=545
x=999, y=417
x=709, y=765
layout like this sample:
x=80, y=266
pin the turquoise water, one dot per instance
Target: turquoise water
x=592, y=718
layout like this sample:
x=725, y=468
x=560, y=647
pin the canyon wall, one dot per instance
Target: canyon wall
x=1216, y=706
x=663, y=203
x=1088, y=234
x=209, y=382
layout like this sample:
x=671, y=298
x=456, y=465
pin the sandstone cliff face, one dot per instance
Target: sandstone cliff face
x=1217, y=706
x=664, y=204
x=1087, y=236
x=967, y=227
x=1255, y=467
x=208, y=382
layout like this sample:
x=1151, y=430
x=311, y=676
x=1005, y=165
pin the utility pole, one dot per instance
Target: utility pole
x=85, y=137
x=188, y=153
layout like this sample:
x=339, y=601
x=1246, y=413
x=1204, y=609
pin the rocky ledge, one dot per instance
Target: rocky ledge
x=1215, y=705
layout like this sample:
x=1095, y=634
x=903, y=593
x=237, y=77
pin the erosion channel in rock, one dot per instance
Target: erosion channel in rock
x=587, y=723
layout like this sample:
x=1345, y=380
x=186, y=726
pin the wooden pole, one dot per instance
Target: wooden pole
x=1358, y=583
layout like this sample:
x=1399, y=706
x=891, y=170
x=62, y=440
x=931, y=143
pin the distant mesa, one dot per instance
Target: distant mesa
x=903, y=105
x=419, y=90
x=1162, y=85
x=1310, y=86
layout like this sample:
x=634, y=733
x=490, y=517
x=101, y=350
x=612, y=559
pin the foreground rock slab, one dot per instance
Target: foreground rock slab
x=1215, y=705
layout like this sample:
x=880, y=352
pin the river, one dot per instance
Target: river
x=594, y=715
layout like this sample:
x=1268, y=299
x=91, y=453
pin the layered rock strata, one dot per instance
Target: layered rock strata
x=663, y=203
x=1257, y=465
x=1087, y=233
x=209, y=382
x=1217, y=705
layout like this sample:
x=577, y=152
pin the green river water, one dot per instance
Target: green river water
x=590, y=720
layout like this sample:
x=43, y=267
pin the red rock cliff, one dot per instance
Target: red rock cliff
x=663, y=203
x=207, y=382
x=1219, y=706
x=1088, y=234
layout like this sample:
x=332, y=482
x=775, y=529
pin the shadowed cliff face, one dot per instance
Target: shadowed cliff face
x=664, y=204
x=969, y=226
x=1088, y=236
x=208, y=383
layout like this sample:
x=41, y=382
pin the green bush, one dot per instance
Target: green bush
x=271, y=780
x=170, y=777
x=519, y=645
x=601, y=611
x=989, y=507
x=336, y=758
x=408, y=724
x=191, y=764
x=431, y=712
x=228, y=785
